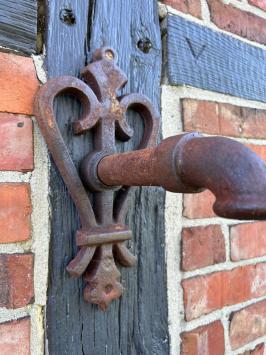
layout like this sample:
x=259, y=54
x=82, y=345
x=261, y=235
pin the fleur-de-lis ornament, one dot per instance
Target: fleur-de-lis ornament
x=103, y=234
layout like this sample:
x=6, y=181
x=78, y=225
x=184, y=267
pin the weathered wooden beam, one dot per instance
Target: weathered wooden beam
x=18, y=25
x=201, y=57
x=137, y=323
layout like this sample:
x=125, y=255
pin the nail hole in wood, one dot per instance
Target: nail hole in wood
x=67, y=16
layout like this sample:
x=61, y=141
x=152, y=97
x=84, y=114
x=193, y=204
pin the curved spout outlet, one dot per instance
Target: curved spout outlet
x=191, y=163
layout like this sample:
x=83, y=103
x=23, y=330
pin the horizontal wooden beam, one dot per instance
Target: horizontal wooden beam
x=18, y=25
x=201, y=57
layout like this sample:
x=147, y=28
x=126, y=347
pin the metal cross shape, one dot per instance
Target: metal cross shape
x=103, y=234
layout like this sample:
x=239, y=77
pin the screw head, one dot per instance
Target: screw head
x=144, y=45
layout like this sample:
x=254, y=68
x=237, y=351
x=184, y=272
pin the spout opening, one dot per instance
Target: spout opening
x=244, y=208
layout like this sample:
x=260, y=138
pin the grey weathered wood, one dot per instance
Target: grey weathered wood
x=137, y=323
x=201, y=57
x=18, y=25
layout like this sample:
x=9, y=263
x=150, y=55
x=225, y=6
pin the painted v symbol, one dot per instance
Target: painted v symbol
x=195, y=50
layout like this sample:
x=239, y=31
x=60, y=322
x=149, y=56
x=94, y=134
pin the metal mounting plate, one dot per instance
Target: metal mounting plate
x=103, y=233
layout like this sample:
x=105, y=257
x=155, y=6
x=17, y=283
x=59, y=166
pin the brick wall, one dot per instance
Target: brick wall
x=216, y=267
x=23, y=225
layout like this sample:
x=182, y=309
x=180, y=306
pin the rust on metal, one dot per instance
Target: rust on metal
x=114, y=234
x=191, y=163
x=186, y=163
x=103, y=234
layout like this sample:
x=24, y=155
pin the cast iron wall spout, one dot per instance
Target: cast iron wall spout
x=187, y=163
x=190, y=163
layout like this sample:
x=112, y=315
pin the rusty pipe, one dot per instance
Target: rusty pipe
x=190, y=163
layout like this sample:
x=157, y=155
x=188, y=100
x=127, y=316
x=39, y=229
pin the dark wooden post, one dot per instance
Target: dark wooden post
x=137, y=323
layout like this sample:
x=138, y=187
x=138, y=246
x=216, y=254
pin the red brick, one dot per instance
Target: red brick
x=204, y=294
x=208, y=339
x=16, y=280
x=202, y=246
x=223, y=119
x=16, y=143
x=248, y=240
x=15, y=212
x=15, y=337
x=192, y=7
x=248, y=324
x=20, y=279
x=18, y=83
x=258, y=3
x=259, y=350
x=242, y=23
x=198, y=205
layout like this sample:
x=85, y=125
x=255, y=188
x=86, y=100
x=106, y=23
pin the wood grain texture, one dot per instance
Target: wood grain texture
x=201, y=57
x=137, y=323
x=18, y=25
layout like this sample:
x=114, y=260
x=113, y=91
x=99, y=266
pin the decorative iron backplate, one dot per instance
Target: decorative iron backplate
x=103, y=234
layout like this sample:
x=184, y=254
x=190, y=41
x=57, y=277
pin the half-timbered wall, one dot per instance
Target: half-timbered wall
x=199, y=286
x=214, y=65
x=24, y=208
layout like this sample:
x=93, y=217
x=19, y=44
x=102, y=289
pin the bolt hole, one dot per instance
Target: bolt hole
x=109, y=54
x=144, y=45
x=20, y=124
x=67, y=16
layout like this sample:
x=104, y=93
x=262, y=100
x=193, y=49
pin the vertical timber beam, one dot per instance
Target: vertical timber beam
x=137, y=323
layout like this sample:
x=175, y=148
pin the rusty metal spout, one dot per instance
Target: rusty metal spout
x=185, y=163
x=191, y=163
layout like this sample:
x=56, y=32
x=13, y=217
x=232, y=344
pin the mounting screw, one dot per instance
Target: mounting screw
x=144, y=45
x=67, y=16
